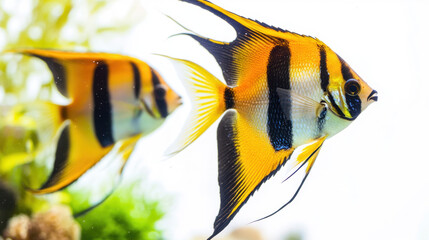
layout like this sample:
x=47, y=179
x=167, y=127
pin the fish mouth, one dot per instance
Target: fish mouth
x=373, y=96
x=179, y=101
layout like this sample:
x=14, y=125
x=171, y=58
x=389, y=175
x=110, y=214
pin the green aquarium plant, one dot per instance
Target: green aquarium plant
x=124, y=215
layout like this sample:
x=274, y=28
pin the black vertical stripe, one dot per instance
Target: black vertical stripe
x=161, y=103
x=102, y=106
x=58, y=72
x=137, y=89
x=321, y=119
x=61, y=157
x=335, y=105
x=354, y=104
x=231, y=172
x=324, y=74
x=63, y=113
x=137, y=80
x=229, y=98
x=345, y=70
x=279, y=128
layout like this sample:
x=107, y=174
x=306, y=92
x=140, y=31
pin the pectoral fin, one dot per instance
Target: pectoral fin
x=301, y=107
x=246, y=160
x=76, y=153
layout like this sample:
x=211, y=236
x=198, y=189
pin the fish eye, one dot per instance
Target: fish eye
x=160, y=91
x=352, y=87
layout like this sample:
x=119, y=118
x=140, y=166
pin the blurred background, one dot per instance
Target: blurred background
x=369, y=182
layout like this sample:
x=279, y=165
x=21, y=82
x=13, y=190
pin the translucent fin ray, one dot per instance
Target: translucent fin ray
x=206, y=93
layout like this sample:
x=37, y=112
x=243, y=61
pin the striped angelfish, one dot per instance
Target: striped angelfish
x=283, y=90
x=112, y=100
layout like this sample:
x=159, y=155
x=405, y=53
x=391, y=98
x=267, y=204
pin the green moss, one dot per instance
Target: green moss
x=122, y=216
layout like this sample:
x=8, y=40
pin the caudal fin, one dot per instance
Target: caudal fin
x=207, y=95
x=39, y=121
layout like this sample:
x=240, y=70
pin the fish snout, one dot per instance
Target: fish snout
x=174, y=102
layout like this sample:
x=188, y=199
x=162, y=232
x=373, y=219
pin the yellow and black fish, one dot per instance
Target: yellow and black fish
x=113, y=100
x=284, y=90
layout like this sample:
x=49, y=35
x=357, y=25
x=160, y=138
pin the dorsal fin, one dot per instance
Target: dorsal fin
x=58, y=72
x=241, y=24
x=71, y=69
x=253, y=44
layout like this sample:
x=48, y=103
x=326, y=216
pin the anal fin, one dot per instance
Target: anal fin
x=123, y=153
x=76, y=152
x=246, y=160
x=307, y=156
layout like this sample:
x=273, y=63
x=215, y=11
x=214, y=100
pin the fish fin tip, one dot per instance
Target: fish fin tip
x=30, y=189
x=173, y=150
x=179, y=24
x=83, y=212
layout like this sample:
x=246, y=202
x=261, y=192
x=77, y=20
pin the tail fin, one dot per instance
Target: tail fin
x=30, y=126
x=47, y=114
x=208, y=102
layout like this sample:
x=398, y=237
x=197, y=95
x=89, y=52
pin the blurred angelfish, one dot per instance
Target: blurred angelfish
x=113, y=100
x=284, y=90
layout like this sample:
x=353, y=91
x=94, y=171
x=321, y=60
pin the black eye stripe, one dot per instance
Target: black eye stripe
x=334, y=104
x=160, y=91
x=161, y=103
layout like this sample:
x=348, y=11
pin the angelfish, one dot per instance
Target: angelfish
x=113, y=100
x=283, y=90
